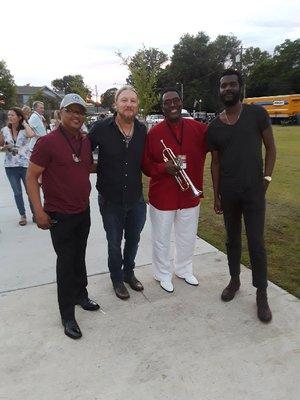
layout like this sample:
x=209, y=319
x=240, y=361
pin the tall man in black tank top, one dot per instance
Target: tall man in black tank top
x=240, y=181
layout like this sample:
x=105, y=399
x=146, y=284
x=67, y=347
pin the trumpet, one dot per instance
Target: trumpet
x=182, y=178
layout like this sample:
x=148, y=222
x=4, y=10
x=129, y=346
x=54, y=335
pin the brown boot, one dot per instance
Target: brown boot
x=263, y=310
x=120, y=290
x=229, y=292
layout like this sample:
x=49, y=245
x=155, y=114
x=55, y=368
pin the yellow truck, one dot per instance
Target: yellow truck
x=285, y=108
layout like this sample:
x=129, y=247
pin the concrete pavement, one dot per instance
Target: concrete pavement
x=185, y=345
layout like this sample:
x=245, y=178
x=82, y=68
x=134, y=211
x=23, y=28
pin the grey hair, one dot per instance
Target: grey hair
x=122, y=89
x=35, y=103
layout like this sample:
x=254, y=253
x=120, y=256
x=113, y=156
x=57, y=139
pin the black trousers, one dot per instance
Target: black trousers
x=69, y=238
x=251, y=205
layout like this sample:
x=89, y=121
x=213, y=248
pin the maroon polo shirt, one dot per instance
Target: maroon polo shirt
x=65, y=183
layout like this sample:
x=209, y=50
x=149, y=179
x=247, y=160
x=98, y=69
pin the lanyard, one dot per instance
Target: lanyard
x=75, y=154
x=179, y=141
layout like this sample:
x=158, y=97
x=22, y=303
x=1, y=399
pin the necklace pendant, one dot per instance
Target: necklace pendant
x=76, y=158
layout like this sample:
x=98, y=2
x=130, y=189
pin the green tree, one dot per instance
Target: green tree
x=287, y=66
x=108, y=97
x=276, y=75
x=144, y=68
x=72, y=84
x=248, y=60
x=252, y=57
x=225, y=49
x=8, y=90
x=196, y=64
x=187, y=67
x=260, y=78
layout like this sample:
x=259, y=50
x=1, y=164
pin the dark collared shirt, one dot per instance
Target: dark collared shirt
x=119, y=177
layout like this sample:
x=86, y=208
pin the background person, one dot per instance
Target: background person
x=120, y=140
x=26, y=112
x=240, y=182
x=37, y=122
x=64, y=159
x=169, y=205
x=55, y=122
x=15, y=141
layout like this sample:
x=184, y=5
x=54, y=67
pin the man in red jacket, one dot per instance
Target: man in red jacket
x=169, y=205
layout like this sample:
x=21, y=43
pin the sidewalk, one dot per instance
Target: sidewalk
x=156, y=346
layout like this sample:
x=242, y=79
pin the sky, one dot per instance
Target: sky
x=43, y=41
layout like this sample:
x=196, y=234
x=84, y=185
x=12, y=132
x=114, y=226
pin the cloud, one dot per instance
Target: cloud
x=69, y=38
x=287, y=24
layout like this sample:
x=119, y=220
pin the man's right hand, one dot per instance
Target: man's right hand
x=171, y=168
x=7, y=146
x=217, y=206
x=43, y=220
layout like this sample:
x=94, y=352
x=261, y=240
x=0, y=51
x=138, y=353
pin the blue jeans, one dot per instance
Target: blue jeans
x=16, y=175
x=118, y=220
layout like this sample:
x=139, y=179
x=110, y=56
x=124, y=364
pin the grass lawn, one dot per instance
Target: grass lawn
x=283, y=213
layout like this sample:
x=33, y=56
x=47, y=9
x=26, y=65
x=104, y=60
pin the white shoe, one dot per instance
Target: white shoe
x=190, y=279
x=166, y=285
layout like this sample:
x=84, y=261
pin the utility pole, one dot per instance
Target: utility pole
x=239, y=59
x=97, y=104
x=96, y=93
x=181, y=89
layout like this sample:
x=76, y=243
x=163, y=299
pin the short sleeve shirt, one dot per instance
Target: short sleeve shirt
x=36, y=123
x=240, y=148
x=65, y=183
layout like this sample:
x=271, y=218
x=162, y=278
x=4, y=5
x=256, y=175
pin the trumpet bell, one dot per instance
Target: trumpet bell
x=182, y=178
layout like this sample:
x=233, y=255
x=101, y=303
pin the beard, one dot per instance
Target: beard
x=125, y=117
x=231, y=102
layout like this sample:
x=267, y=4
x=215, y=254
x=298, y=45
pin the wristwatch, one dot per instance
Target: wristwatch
x=268, y=178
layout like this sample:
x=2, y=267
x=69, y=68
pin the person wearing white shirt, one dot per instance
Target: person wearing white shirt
x=14, y=139
x=36, y=122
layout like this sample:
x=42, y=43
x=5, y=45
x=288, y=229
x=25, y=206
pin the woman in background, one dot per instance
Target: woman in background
x=55, y=122
x=15, y=139
x=26, y=112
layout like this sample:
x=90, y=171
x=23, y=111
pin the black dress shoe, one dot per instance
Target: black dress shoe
x=134, y=283
x=120, y=290
x=230, y=290
x=71, y=328
x=89, y=305
x=263, y=310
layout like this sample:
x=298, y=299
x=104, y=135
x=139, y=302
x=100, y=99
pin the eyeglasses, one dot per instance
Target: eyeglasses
x=73, y=112
x=176, y=101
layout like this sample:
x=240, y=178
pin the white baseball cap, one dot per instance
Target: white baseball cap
x=72, y=98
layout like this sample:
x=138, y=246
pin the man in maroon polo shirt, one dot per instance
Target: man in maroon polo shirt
x=64, y=158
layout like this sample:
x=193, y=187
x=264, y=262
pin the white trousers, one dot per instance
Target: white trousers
x=185, y=224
